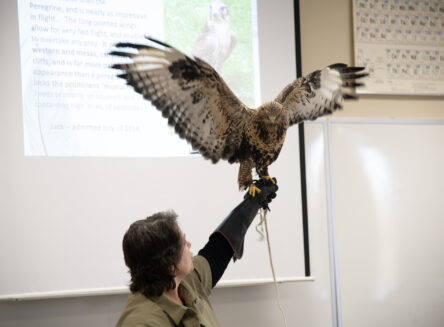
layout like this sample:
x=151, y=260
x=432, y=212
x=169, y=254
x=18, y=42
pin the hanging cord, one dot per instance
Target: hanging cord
x=260, y=230
x=260, y=226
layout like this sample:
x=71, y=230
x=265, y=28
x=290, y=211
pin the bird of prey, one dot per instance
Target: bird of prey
x=217, y=40
x=205, y=112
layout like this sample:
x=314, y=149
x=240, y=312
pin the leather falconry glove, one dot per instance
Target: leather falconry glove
x=235, y=225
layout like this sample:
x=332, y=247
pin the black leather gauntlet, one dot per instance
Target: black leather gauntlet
x=235, y=225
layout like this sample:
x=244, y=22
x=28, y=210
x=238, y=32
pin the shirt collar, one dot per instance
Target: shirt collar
x=174, y=310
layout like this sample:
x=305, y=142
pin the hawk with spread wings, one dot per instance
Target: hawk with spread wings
x=205, y=112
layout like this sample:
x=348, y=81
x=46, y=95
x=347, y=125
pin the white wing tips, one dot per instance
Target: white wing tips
x=143, y=57
x=338, y=76
x=326, y=91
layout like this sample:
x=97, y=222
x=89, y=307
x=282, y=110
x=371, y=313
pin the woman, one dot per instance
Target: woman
x=170, y=287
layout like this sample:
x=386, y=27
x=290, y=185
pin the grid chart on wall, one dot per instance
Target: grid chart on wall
x=401, y=43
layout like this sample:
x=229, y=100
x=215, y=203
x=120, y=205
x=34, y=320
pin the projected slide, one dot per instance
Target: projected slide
x=73, y=103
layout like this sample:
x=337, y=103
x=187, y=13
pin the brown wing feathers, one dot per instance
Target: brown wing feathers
x=188, y=92
x=319, y=93
x=153, y=85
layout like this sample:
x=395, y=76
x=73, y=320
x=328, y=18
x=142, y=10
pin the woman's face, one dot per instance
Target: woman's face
x=185, y=265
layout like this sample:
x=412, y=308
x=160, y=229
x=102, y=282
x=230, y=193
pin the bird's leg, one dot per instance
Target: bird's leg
x=245, y=178
x=263, y=173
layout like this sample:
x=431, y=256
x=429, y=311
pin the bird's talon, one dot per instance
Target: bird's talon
x=268, y=178
x=253, y=190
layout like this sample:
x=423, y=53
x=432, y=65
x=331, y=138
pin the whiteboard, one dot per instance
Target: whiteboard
x=388, y=191
x=63, y=218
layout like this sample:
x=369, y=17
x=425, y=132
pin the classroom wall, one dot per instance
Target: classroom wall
x=326, y=31
x=327, y=37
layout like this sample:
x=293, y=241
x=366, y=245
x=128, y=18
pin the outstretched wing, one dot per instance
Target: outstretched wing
x=319, y=93
x=189, y=93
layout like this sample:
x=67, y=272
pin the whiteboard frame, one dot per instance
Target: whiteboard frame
x=125, y=290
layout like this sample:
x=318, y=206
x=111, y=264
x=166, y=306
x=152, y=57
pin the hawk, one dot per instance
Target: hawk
x=204, y=111
x=216, y=42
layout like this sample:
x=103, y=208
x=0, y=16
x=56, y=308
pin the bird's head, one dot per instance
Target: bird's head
x=219, y=11
x=272, y=113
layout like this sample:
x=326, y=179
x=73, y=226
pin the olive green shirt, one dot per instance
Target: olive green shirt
x=163, y=312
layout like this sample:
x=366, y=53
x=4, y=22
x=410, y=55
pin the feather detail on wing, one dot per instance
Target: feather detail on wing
x=319, y=93
x=189, y=93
